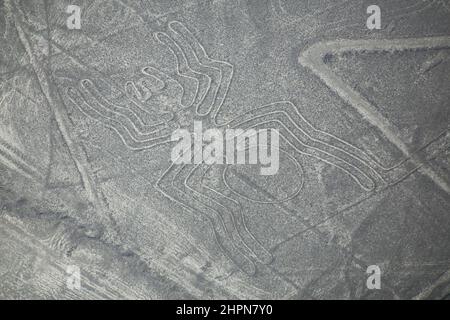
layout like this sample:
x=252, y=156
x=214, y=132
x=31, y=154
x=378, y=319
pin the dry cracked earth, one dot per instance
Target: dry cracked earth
x=87, y=182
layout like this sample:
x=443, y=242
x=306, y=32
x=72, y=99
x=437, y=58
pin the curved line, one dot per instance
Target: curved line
x=241, y=218
x=211, y=63
x=240, y=240
x=288, y=198
x=184, y=65
x=322, y=159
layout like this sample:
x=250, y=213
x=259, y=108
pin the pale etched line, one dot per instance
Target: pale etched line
x=432, y=63
x=222, y=66
x=196, y=66
x=233, y=234
x=314, y=227
x=14, y=158
x=247, y=265
x=28, y=239
x=370, y=183
x=59, y=241
x=36, y=244
x=167, y=192
x=8, y=94
x=160, y=76
x=288, y=109
x=136, y=173
x=207, y=62
x=51, y=156
x=352, y=205
x=302, y=125
x=133, y=92
x=279, y=10
x=44, y=286
x=178, y=73
x=309, y=21
x=444, y=278
x=114, y=111
x=300, y=175
x=14, y=162
x=310, y=27
x=95, y=42
x=312, y=58
x=138, y=99
x=395, y=14
x=169, y=195
x=183, y=69
x=101, y=75
x=231, y=251
x=306, y=223
x=61, y=119
x=417, y=151
x=240, y=121
x=125, y=93
x=88, y=86
x=128, y=138
x=162, y=267
x=222, y=210
x=61, y=31
x=256, y=247
x=166, y=78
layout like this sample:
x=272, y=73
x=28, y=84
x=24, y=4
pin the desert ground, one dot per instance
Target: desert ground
x=92, y=207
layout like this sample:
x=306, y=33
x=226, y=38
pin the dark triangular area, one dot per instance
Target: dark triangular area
x=62, y=171
x=409, y=88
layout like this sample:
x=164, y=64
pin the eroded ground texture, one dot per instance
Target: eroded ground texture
x=86, y=181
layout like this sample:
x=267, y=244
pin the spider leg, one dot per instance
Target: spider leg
x=293, y=129
x=220, y=72
x=233, y=209
x=170, y=85
x=145, y=90
x=121, y=124
x=184, y=69
x=171, y=185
